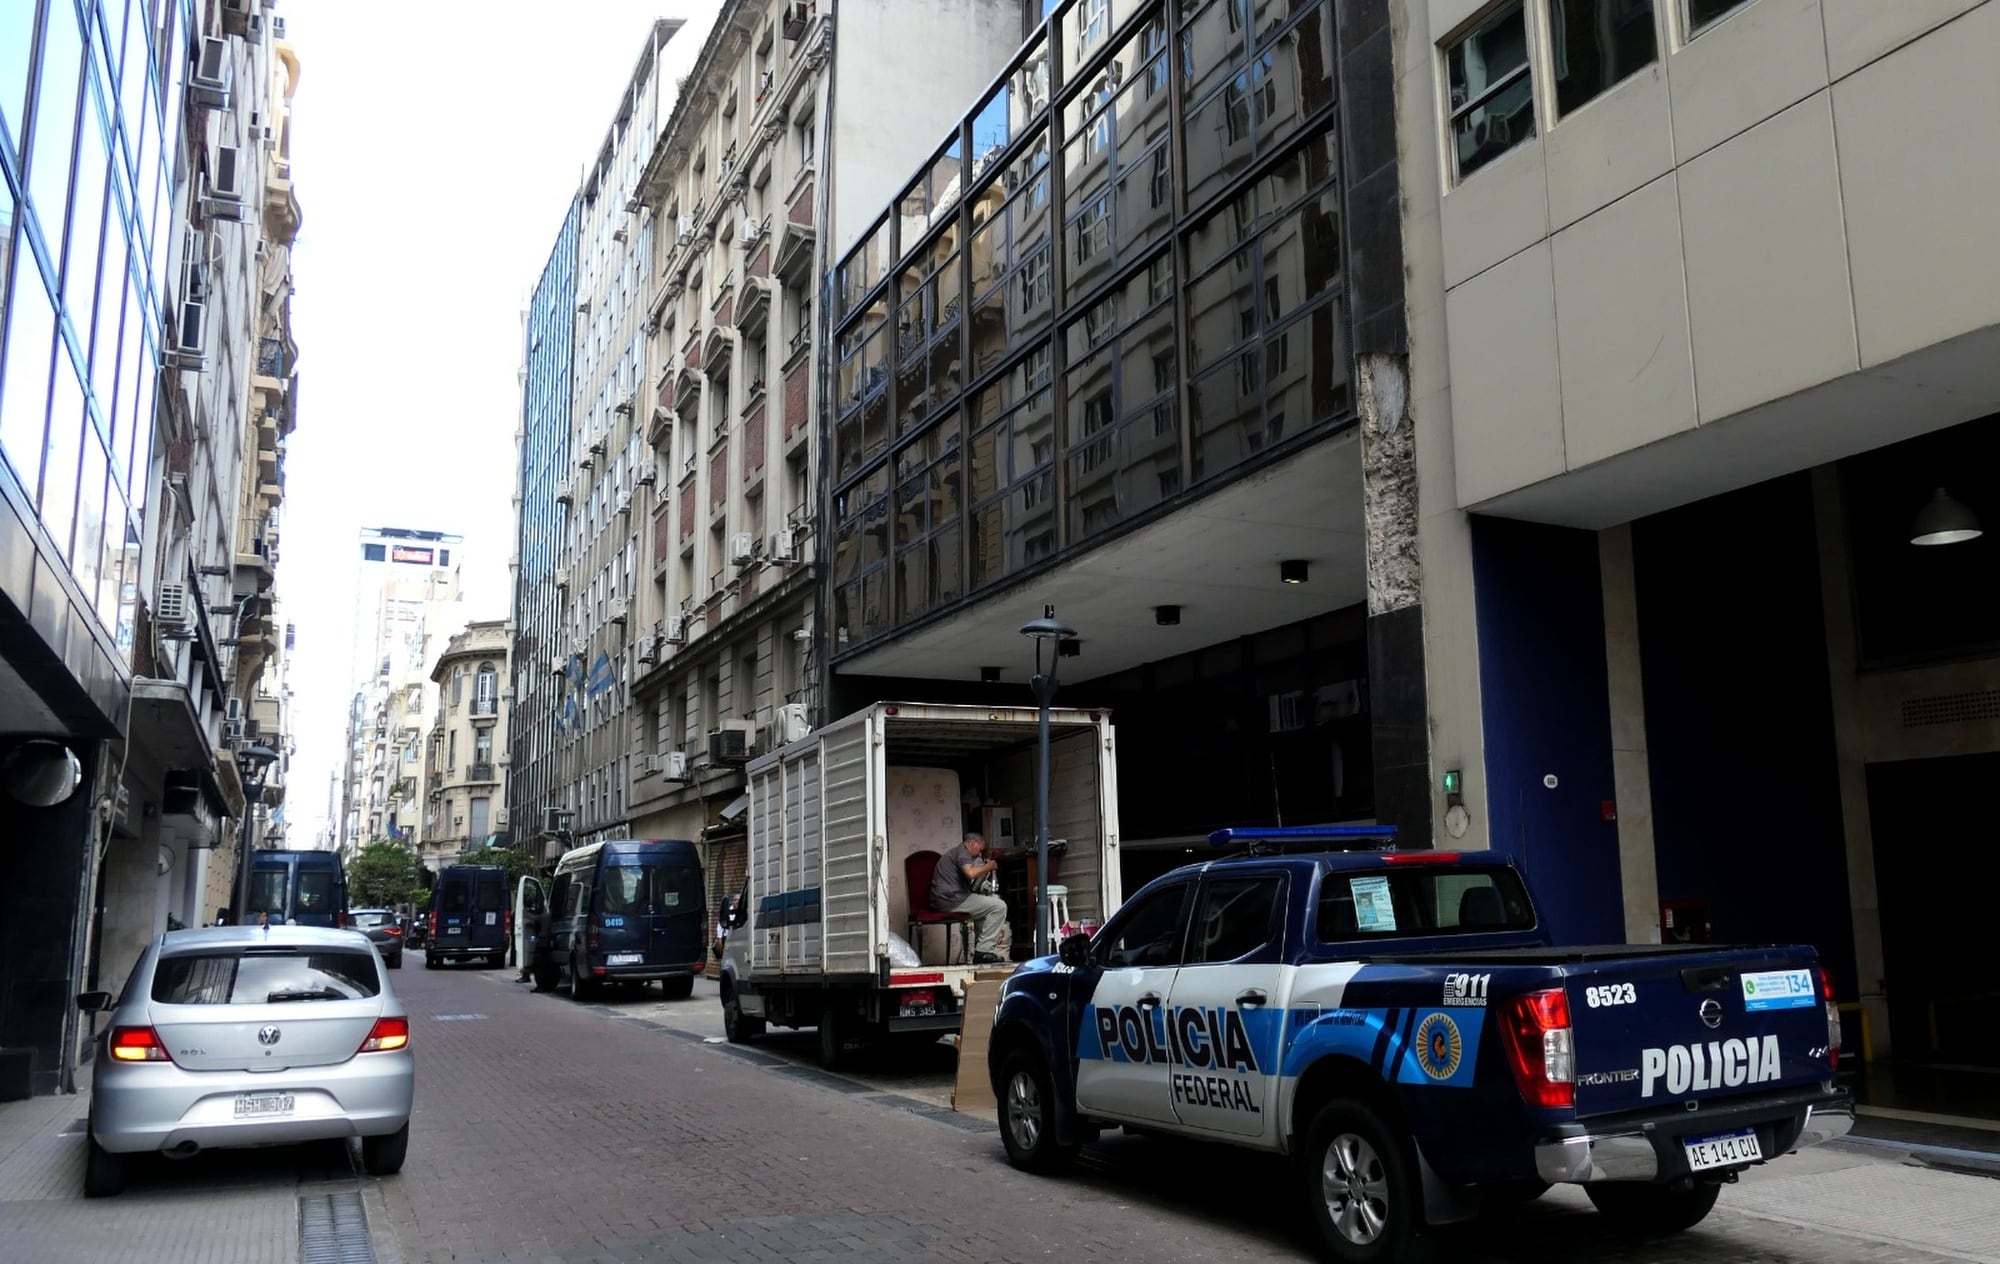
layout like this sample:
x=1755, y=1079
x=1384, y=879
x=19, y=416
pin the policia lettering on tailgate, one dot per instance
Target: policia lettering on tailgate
x=1399, y=1023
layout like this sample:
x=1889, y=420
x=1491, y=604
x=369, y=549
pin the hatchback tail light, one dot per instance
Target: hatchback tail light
x=1540, y=1048
x=1832, y=1018
x=387, y=1034
x=137, y=1044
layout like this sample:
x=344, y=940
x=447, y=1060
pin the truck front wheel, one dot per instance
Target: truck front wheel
x=1361, y=1186
x=738, y=1026
x=1654, y=1209
x=1028, y=1115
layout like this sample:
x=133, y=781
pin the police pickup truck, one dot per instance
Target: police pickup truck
x=1398, y=1023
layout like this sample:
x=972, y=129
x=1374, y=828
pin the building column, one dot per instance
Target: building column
x=1850, y=747
x=1632, y=780
x=1398, y=706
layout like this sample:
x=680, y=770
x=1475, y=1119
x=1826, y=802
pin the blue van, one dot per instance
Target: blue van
x=304, y=888
x=469, y=917
x=626, y=911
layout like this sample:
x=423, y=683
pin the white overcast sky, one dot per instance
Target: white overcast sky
x=435, y=147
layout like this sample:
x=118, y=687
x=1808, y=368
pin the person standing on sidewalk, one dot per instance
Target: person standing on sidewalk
x=956, y=888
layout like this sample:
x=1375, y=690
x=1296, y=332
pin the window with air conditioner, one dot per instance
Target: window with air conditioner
x=1491, y=93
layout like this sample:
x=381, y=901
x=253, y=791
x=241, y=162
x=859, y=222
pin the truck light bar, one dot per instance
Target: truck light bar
x=1264, y=839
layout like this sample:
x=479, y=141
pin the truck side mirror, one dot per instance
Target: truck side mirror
x=1074, y=951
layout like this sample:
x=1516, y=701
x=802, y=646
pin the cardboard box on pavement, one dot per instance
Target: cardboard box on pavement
x=973, y=1093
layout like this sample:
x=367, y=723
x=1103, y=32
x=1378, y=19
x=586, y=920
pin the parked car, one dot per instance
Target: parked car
x=1400, y=1024
x=232, y=1036
x=384, y=929
x=623, y=911
x=469, y=916
x=302, y=888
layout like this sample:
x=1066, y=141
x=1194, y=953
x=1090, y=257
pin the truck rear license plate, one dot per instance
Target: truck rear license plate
x=624, y=958
x=1727, y=1150
x=250, y=1105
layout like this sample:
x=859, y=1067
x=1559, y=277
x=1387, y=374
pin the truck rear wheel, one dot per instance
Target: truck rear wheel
x=677, y=989
x=1361, y=1186
x=832, y=1038
x=1028, y=1115
x=1654, y=1209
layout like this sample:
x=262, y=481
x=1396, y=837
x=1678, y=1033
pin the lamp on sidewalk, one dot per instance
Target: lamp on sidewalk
x=252, y=763
x=1045, y=629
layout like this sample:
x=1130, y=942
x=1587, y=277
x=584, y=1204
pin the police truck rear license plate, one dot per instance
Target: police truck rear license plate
x=1726, y=1150
x=252, y=1105
x=625, y=958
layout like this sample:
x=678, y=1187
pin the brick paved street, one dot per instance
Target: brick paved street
x=551, y=1131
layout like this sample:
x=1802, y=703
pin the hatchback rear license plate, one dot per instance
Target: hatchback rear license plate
x=1726, y=1150
x=624, y=958
x=250, y=1105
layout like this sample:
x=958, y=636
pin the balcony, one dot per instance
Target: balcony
x=485, y=708
x=480, y=772
x=795, y=242
x=754, y=311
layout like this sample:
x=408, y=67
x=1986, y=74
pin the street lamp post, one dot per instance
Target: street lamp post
x=252, y=762
x=1044, y=630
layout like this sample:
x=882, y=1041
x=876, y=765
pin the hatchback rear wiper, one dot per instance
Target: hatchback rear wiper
x=308, y=994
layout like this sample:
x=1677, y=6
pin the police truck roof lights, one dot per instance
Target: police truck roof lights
x=1307, y=837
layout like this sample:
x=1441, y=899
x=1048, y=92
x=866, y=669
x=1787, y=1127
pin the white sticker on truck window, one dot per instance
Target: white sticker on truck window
x=1780, y=989
x=1372, y=909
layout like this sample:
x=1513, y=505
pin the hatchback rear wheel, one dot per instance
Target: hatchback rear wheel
x=103, y=1172
x=383, y=1155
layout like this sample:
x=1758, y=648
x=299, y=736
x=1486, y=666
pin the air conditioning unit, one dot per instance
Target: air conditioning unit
x=676, y=633
x=618, y=609
x=732, y=743
x=797, y=14
x=253, y=30
x=584, y=463
x=224, y=199
x=625, y=502
x=674, y=766
x=647, y=475
x=684, y=231
x=209, y=84
x=173, y=614
x=500, y=817
x=625, y=406
x=742, y=548
x=561, y=575
x=792, y=722
x=781, y=546
x=504, y=758
x=649, y=651
x=597, y=444
x=764, y=85
x=566, y=494
x=190, y=335
x=648, y=765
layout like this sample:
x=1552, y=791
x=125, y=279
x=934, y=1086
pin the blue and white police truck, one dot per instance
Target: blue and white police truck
x=1399, y=1024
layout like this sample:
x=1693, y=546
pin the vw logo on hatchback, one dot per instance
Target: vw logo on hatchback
x=269, y=1035
x=1711, y=1012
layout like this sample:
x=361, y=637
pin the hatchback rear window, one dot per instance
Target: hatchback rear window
x=232, y=977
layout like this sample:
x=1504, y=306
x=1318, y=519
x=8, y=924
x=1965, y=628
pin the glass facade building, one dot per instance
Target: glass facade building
x=89, y=110
x=1118, y=285
x=546, y=463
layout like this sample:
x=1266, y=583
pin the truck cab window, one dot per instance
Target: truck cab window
x=1147, y=932
x=1238, y=916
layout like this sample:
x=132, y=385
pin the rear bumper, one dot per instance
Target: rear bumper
x=1649, y=1148
x=461, y=948
x=642, y=973
x=155, y=1106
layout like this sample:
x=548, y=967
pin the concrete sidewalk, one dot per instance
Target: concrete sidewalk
x=241, y=1207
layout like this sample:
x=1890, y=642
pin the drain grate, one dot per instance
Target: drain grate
x=333, y=1229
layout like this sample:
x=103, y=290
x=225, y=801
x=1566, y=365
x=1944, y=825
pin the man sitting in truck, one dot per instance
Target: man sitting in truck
x=963, y=868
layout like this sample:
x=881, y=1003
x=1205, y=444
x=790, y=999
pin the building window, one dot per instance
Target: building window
x=927, y=528
x=1702, y=14
x=481, y=807
x=1492, y=97
x=1597, y=44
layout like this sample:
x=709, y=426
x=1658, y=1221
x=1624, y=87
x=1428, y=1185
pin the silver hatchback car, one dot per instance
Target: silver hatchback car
x=236, y=1036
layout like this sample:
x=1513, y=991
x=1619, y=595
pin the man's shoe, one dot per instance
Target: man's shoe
x=987, y=959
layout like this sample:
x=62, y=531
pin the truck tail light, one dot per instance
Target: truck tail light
x=387, y=1034
x=590, y=939
x=1540, y=1048
x=1832, y=1018
x=434, y=923
x=137, y=1044
x=507, y=925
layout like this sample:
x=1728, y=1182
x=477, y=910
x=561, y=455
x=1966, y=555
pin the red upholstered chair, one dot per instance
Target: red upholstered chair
x=919, y=867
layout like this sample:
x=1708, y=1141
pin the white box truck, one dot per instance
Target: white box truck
x=821, y=935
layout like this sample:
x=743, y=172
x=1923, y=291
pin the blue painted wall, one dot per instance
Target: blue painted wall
x=1739, y=720
x=1547, y=709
